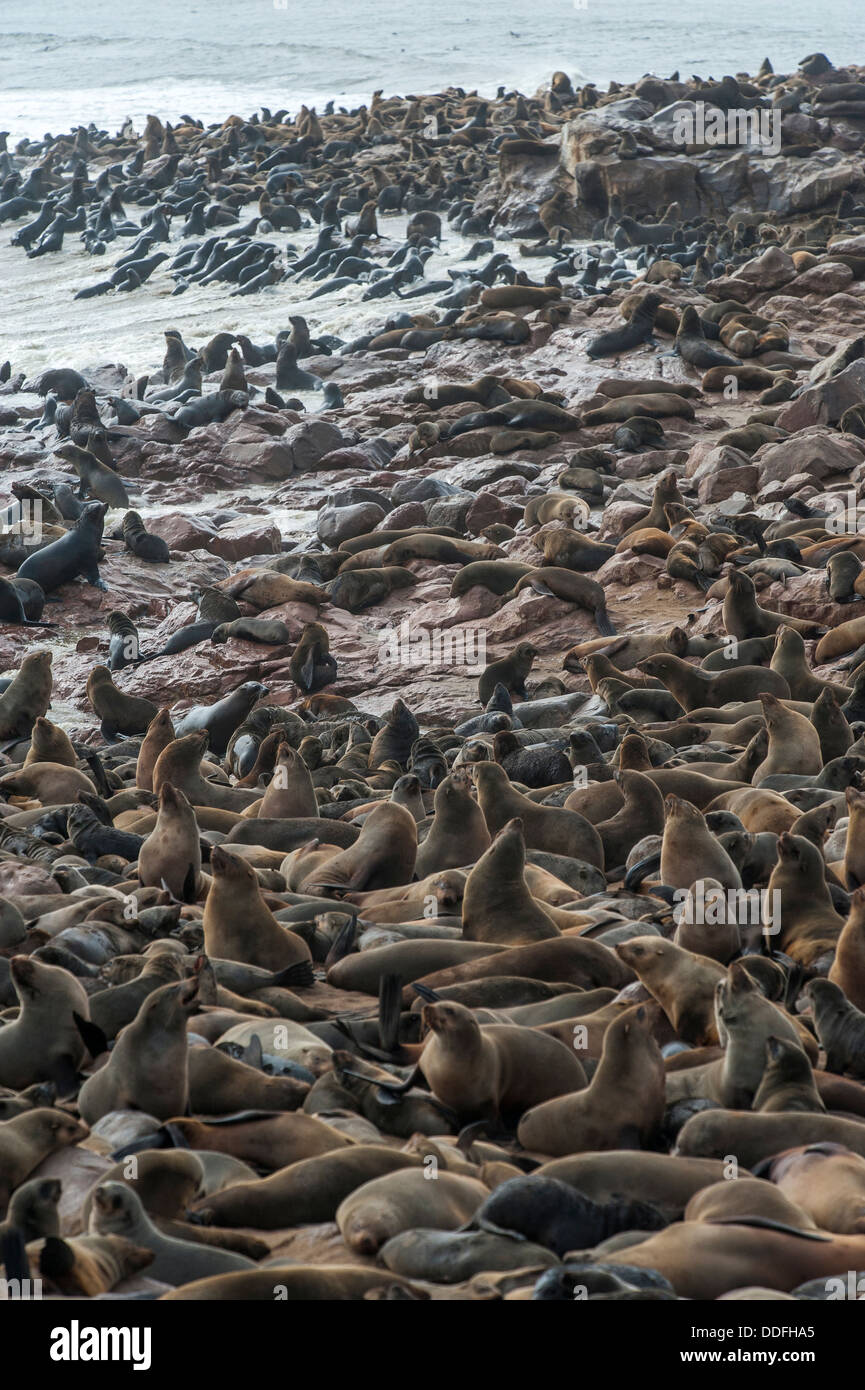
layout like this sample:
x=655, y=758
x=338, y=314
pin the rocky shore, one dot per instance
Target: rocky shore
x=522, y=459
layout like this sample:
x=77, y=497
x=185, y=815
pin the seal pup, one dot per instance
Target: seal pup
x=788, y=1081
x=312, y=667
x=94, y=476
x=123, y=646
x=510, y=671
x=143, y=543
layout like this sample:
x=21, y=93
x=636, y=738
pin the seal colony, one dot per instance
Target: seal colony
x=342, y=956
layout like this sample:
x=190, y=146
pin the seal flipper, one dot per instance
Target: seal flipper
x=603, y=622
x=629, y=1138
x=796, y=979
x=188, y=893
x=300, y=975
x=177, y=1137
x=91, y=1035
x=41, y=1093
x=91, y=576
x=375, y=1054
x=161, y=1139
x=638, y=872
x=13, y=1254
x=95, y=765
x=540, y=587
x=66, y=1077
x=282, y=979
x=388, y=1092
x=56, y=1259
x=468, y=1135
x=430, y=996
x=343, y=944
x=307, y=670
x=765, y=1223
x=389, y=999
x=492, y=1229
x=253, y=1055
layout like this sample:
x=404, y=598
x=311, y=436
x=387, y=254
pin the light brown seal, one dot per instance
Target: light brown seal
x=683, y=984
x=496, y=1071
x=43, y=1043
x=458, y=834
x=399, y=1201
x=118, y=712
x=171, y=855
x=623, y=1103
x=28, y=696
x=690, y=851
x=147, y=1068
x=308, y=1190
x=497, y=905
x=160, y=732
x=848, y=967
x=27, y=1139
x=382, y=856
x=238, y=925
x=550, y=828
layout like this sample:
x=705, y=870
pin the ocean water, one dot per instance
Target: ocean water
x=41, y=321
x=63, y=63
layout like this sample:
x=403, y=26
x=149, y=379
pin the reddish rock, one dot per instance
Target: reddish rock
x=830, y=278
x=768, y=271
x=715, y=487
x=310, y=442
x=183, y=532
x=815, y=452
x=618, y=517
x=647, y=465
x=407, y=514
x=337, y=524
x=705, y=462
x=246, y=536
x=825, y=404
x=487, y=509
x=628, y=569
x=263, y=459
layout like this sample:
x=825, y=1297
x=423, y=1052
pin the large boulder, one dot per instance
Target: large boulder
x=815, y=452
